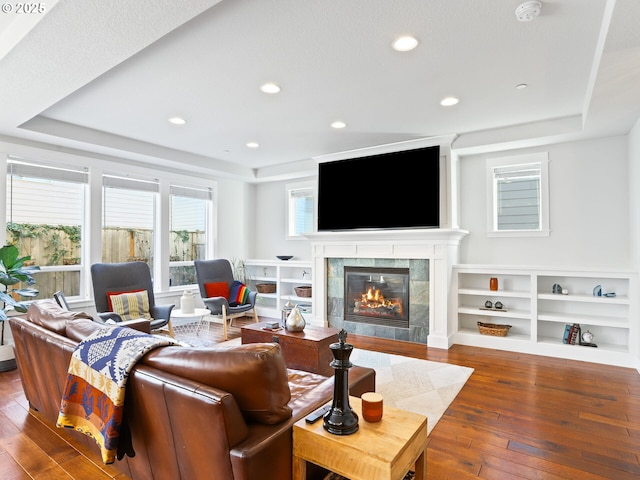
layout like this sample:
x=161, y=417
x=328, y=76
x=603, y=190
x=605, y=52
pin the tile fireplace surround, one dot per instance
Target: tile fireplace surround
x=418, y=298
x=393, y=247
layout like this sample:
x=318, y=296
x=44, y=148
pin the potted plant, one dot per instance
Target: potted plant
x=13, y=272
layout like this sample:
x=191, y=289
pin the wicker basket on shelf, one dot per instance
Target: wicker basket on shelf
x=266, y=287
x=493, y=329
x=304, y=291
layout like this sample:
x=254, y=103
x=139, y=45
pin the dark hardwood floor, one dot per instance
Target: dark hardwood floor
x=518, y=417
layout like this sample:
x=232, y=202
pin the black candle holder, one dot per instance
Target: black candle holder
x=341, y=419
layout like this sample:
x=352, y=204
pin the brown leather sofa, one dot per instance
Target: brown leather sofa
x=194, y=413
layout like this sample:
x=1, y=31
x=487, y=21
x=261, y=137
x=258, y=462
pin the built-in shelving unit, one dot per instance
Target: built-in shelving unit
x=538, y=316
x=286, y=275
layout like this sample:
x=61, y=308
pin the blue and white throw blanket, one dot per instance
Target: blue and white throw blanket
x=94, y=393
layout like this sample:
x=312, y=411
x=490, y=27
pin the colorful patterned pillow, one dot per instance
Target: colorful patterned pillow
x=239, y=294
x=217, y=289
x=132, y=305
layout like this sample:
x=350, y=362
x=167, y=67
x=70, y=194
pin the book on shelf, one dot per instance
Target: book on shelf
x=567, y=334
x=572, y=334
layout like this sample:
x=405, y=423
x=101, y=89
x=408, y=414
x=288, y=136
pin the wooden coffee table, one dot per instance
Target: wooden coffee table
x=307, y=350
x=385, y=450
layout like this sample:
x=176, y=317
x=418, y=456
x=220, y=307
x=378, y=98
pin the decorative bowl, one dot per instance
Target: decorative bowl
x=284, y=257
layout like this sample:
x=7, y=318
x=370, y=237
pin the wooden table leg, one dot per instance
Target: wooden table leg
x=421, y=467
x=300, y=468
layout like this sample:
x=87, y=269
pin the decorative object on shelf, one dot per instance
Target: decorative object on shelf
x=609, y=294
x=295, y=320
x=284, y=257
x=187, y=302
x=303, y=291
x=557, y=289
x=565, y=291
x=597, y=291
x=266, y=287
x=572, y=334
x=493, y=284
x=286, y=310
x=498, y=306
x=493, y=329
x=341, y=419
x=372, y=406
x=587, y=337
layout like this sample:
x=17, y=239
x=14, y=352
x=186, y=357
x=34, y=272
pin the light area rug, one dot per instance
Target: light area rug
x=419, y=386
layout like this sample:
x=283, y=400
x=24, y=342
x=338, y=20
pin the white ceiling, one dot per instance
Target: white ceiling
x=104, y=77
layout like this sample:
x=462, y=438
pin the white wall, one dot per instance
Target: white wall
x=236, y=219
x=634, y=194
x=271, y=228
x=589, y=209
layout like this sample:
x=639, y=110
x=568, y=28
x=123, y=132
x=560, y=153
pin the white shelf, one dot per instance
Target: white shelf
x=297, y=281
x=494, y=293
x=613, y=322
x=622, y=300
x=286, y=274
x=538, y=316
x=494, y=313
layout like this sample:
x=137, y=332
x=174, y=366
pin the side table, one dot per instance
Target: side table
x=198, y=314
x=385, y=450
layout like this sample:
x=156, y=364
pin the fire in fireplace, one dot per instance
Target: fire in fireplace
x=377, y=295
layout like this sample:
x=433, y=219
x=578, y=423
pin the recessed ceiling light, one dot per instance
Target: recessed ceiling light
x=405, y=43
x=521, y=86
x=177, y=120
x=270, y=88
x=449, y=101
x=338, y=124
x=253, y=144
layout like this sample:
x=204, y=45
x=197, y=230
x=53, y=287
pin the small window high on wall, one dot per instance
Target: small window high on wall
x=519, y=195
x=301, y=209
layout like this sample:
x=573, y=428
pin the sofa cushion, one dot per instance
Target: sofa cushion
x=255, y=374
x=48, y=314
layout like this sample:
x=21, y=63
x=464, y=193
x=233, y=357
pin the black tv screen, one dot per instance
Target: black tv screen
x=398, y=190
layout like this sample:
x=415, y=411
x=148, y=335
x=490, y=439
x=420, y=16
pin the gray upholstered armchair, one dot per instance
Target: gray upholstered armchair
x=216, y=282
x=114, y=282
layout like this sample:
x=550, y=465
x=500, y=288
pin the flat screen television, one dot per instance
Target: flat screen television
x=396, y=190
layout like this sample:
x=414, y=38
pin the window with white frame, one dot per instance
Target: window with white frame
x=519, y=195
x=188, y=232
x=45, y=211
x=301, y=209
x=128, y=219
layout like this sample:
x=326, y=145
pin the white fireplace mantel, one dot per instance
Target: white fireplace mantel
x=439, y=246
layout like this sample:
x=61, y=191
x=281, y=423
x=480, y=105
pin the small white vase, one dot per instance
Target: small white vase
x=295, y=320
x=187, y=302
